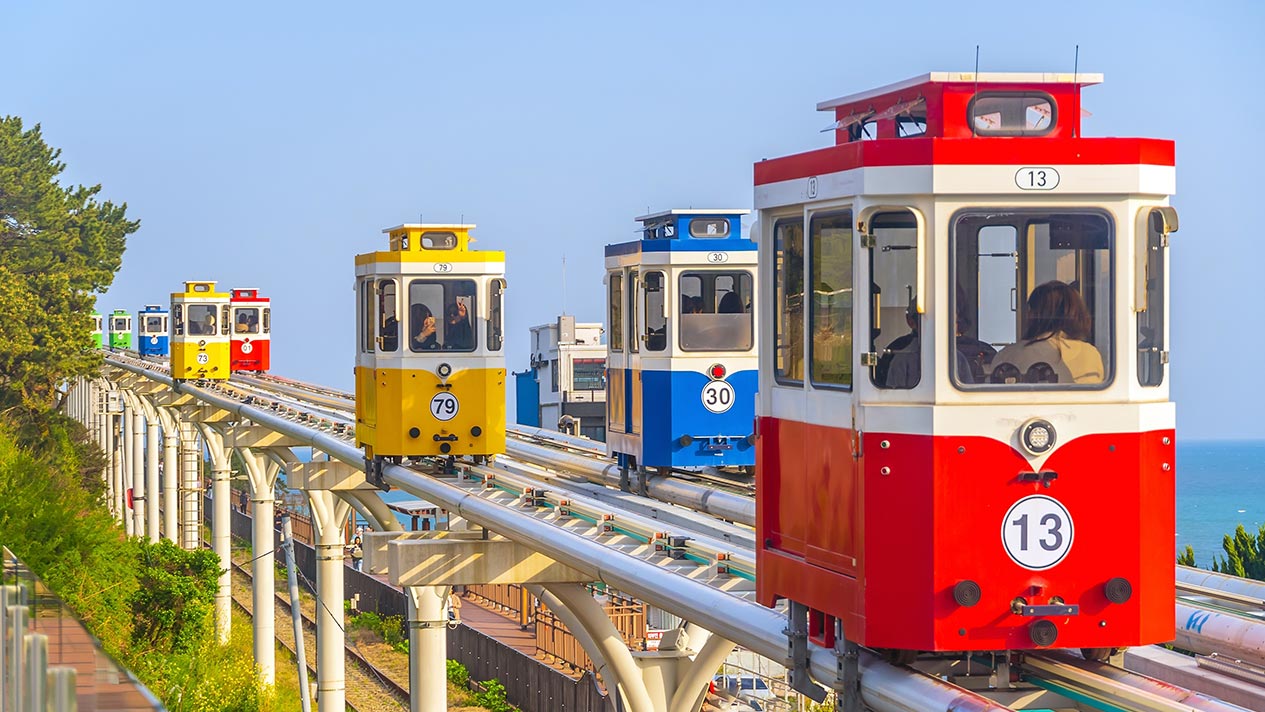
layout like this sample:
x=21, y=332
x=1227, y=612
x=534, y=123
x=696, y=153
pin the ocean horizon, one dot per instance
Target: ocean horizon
x=1220, y=485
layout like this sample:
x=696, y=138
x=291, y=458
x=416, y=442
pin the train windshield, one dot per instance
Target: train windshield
x=1033, y=300
x=201, y=319
x=246, y=320
x=441, y=315
x=154, y=325
x=120, y=325
x=716, y=311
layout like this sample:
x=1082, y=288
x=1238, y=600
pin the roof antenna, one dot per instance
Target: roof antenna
x=1076, y=66
x=973, y=122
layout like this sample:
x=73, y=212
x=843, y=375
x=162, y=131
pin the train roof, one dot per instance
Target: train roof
x=665, y=213
x=982, y=80
x=688, y=230
x=153, y=308
x=430, y=242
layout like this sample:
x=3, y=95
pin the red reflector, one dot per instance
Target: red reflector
x=717, y=372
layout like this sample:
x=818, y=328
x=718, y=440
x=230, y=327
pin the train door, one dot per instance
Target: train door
x=636, y=327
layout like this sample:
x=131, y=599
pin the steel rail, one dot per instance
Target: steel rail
x=883, y=687
x=1114, y=689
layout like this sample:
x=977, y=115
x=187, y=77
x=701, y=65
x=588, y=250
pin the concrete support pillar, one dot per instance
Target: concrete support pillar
x=125, y=470
x=116, y=466
x=329, y=513
x=607, y=639
x=190, y=487
x=221, y=529
x=263, y=479
x=428, y=648
x=151, y=473
x=138, y=466
x=171, y=473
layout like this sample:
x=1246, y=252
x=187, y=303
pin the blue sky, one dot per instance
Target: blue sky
x=264, y=144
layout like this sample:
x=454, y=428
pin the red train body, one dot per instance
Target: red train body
x=934, y=471
x=252, y=331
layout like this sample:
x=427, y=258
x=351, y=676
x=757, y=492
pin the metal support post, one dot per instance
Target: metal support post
x=36, y=650
x=296, y=612
x=17, y=623
x=116, y=470
x=428, y=648
x=847, y=672
x=221, y=530
x=328, y=515
x=126, y=473
x=797, y=675
x=592, y=618
x=62, y=696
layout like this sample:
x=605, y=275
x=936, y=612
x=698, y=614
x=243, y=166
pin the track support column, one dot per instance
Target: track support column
x=329, y=513
x=138, y=464
x=221, y=529
x=428, y=648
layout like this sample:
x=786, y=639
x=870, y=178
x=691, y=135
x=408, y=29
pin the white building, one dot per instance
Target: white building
x=567, y=379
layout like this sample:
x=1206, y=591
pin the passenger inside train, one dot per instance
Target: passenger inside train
x=454, y=300
x=422, y=325
x=1053, y=349
x=201, y=320
x=716, y=316
x=458, y=334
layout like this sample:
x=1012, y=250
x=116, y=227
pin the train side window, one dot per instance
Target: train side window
x=830, y=311
x=96, y=323
x=1033, y=299
x=656, y=313
x=267, y=320
x=496, y=328
x=716, y=311
x=895, y=323
x=1150, y=311
x=788, y=302
x=177, y=315
x=388, y=318
x=225, y=312
x=633, y=322
x=367, y=323
x=615, y=300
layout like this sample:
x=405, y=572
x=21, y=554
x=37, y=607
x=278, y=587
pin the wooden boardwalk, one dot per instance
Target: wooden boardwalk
x=99, y=683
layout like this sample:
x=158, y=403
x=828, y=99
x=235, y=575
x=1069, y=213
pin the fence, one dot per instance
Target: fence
x=530, y=685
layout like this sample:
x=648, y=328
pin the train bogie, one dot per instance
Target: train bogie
x=251, y=343
x=978, y=453
x=120, y=329
x=152, y=327
x=200, y=333
x=681, y=365
x=430, y=369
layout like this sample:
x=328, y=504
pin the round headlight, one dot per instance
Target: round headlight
x=1037, y=436
x=444, y=370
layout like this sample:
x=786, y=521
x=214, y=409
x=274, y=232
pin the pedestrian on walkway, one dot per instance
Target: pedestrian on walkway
x=357, y=554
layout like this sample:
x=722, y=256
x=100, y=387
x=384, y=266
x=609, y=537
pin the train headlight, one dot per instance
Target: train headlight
x=1037, y=436
x=717, y=372
x=444, y=370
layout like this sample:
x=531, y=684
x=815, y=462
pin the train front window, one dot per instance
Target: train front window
x=1033, y=300
x=716, y=311
x=202, y=319
x=830, y=256
x=441, y=315
x=121, y=325
x=788, y=301
x=246, y=320
x=154, y=325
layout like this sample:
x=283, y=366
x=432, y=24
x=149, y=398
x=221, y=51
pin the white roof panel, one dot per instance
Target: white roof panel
x=1081, y=78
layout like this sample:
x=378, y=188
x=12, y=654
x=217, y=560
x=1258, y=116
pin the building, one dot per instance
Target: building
x=565, y=388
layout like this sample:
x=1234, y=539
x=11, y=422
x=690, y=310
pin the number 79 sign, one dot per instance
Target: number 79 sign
x=444, y=406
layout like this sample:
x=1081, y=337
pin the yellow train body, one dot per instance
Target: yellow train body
x=199, y=333
x=430, y=366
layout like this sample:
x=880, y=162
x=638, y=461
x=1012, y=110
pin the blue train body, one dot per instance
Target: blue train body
x=681, y=359
x=151, y=331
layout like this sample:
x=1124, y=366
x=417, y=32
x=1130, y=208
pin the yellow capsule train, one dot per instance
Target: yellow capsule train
x=430, y=369
x=199, y=333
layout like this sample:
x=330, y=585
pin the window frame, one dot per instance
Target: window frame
x=661, y=318
x=368, y=326
x=380, y=283
x=701, y=272
x=781, y=377
x=986, y=94
x=446, y=285
x=496, y=313
x=871, y=219
x=703, y=221
x=615, y=310
x=810, y=344
x=1155, y=228
x=1110, y=366
x=632, y=312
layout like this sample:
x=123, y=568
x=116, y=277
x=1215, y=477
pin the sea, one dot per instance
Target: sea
x=1220, y=485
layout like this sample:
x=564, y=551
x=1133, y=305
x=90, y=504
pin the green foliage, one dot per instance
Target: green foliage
x=173, y=606
x=458, y=674
x=390, y=628
x=493, y=697
x=1245, y=554
x=58, y=246
x=1187, y=557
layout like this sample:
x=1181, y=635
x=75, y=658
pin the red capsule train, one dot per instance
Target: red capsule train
x=251, y=320
x=965, y=438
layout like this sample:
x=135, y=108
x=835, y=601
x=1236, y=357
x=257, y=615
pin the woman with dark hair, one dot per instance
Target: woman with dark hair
x=458, y=336
x=422, y=326
x=1053, y=348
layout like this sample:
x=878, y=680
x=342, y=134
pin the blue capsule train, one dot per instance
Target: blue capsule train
x=682, y=358
x=151, y=332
